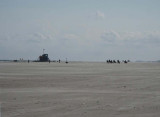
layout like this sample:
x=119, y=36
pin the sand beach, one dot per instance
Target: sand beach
x=79, y=89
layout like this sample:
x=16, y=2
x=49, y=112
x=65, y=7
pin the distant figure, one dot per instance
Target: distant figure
x=107, y=61
x=28, y=61
x=49, y=61
x=111, y=61
x=114, y=61
x=125, y=61
x=118, y=61
x=59, y=61
x=66, y=61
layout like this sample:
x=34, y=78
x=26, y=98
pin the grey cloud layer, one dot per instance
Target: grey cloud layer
x=111, y=37
x=131, y=37
x=93, y=46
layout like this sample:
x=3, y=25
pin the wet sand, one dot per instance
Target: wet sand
x=79, y=89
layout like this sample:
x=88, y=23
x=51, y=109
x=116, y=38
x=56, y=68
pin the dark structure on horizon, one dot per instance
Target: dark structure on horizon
x=44, y=58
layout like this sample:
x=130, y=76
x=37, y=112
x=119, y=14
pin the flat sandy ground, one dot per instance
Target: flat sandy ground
x=79, y=90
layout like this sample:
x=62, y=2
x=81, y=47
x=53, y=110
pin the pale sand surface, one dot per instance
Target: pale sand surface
x=79, y=90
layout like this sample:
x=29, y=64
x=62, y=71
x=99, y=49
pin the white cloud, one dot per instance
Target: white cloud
x=70, y=36
x=40, y=37
x=110, y=36
x=28, y=37
x=99, y=14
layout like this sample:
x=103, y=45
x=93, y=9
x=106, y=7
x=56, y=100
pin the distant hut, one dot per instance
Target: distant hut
x=44, y=58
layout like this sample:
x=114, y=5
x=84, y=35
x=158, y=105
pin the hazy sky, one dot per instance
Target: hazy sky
x=88, y=30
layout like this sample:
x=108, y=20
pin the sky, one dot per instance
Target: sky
x=80, y=30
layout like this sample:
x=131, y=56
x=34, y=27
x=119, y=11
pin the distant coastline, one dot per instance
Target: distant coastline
x=139, y=61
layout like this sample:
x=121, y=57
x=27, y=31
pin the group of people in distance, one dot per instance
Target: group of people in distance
x=118, y=61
